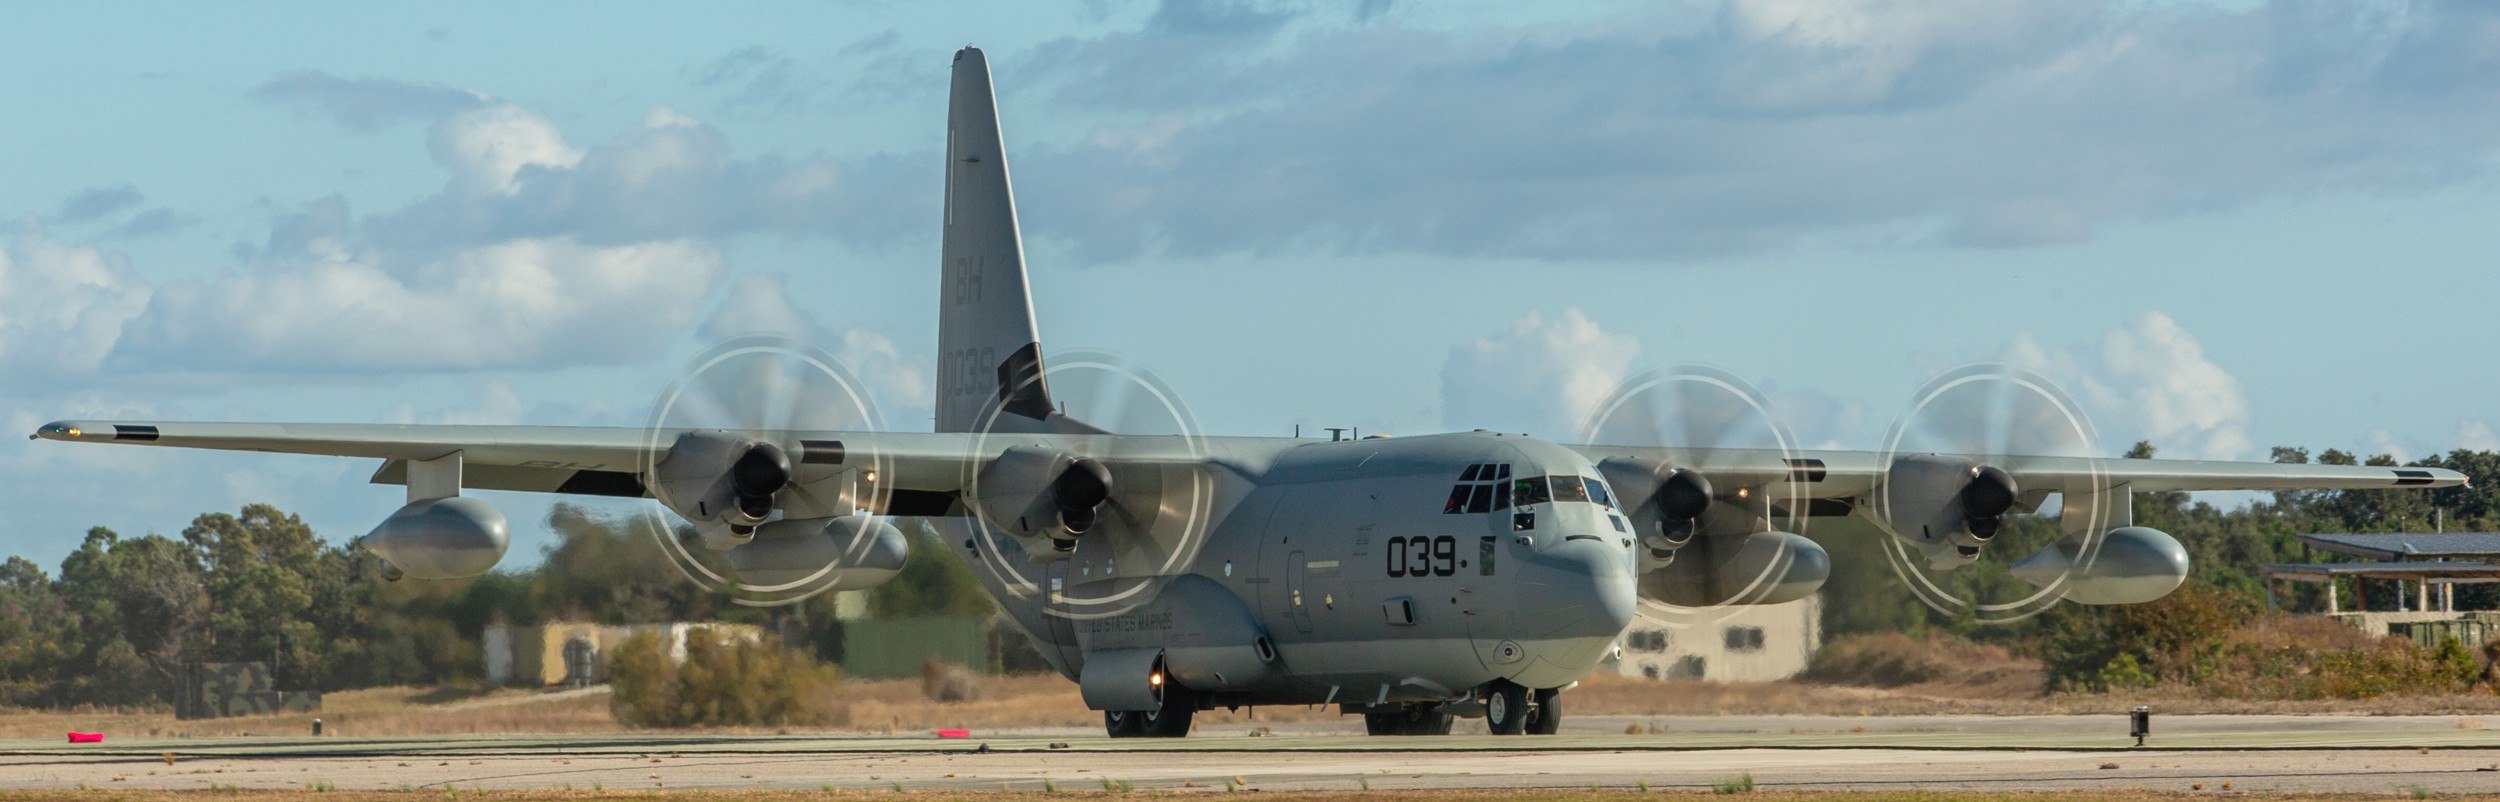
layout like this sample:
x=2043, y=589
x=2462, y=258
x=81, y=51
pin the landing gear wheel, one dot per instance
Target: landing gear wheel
x=1408, y=720
x=1546, y=717
x=1124, y=723
x=1505, y=707
x=1172, y=720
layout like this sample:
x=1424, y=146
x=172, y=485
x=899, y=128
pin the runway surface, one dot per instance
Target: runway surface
x=2445, y=754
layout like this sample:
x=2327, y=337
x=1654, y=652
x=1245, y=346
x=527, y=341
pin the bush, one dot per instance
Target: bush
x=2213, y=643
x=724, y=682
x=1892, y=660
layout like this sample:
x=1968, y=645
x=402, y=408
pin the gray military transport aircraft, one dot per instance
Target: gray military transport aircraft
x=1408, y=579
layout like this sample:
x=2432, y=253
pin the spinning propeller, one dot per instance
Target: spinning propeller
x=1953, y=459
x=726, y=457
x=1095, y=522
x=1717, y=519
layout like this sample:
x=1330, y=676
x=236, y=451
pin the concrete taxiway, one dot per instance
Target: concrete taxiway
x=2291, y=753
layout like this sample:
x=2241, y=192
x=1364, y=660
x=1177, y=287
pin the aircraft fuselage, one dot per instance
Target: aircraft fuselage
x=1380, y=571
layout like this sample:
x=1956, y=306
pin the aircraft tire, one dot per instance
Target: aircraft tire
x=1505, y=707
x=1546, y=715
x=1408, y=720
x=1172, y=721
x=1124, y=723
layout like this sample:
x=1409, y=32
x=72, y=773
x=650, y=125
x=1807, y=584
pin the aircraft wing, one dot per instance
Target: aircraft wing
x=1839, y=474
x=604, y=461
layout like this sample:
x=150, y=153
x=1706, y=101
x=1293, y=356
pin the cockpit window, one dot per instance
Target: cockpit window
x=1484, y=487
x=1530, y=491
x=1568, y=488
x=1597, y=492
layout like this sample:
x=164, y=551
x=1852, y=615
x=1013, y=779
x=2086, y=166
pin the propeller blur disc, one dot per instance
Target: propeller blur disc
x=1158, y=515
x=769, y=389
x=1998, y=415
x=1691, y=414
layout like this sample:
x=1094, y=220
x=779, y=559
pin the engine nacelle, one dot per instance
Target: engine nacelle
x=2134, y=565
x=1947, y=508
x=444, y=538
x=852, y=552
x=722, y=483
x=1760, y=568
x=1038, y=494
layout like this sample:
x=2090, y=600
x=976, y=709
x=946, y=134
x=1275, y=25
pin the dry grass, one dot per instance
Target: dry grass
x=369, y=712
x=1542, y=795
x=1032, y=701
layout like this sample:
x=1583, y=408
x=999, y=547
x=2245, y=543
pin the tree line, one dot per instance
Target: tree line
x=123, y=616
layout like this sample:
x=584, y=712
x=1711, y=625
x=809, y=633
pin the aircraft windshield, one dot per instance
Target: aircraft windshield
x=1597, y=492
x=1568, y=488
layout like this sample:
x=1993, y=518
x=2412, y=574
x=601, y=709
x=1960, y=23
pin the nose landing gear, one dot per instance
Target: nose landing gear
x=1511, y=709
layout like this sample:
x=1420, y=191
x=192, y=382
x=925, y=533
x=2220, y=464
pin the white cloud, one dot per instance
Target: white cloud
x=522, y=303
x=1683, y=130
x=61, y=306
x=486, y=147
x=2150, y=380
x=2474, y=435
x=898, y=383
x=2382, y=441
x=1541, y=377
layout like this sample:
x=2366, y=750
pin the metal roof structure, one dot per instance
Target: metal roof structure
x=2417, y=571
x=2410, y=546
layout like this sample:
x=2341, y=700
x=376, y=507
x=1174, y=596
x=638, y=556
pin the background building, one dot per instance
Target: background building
x=1724, y=644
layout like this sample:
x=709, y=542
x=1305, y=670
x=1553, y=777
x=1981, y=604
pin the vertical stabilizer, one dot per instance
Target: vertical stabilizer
x=989, y=356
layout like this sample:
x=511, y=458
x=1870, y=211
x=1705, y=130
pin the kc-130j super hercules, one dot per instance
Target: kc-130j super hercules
x=1409, y=579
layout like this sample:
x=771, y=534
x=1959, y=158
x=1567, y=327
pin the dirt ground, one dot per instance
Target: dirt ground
x=1038, y=701
x=1289, y=796
x=2111, y=795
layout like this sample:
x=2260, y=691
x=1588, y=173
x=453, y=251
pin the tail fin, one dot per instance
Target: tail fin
x=990, y=358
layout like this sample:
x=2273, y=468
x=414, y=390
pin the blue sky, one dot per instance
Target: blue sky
x=2221, y=226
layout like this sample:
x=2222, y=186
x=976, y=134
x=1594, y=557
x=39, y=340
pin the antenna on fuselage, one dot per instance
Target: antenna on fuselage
x=1336, y=434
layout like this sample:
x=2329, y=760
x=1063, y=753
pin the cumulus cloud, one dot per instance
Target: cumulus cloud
x=670, y=177
x=486, y=148
x=62, y=306
x=1541, y=377
x=1680, y=131
x=2474, y=435
x=898, y=383
x=2150, y=380
x=364, y=104
x=520, y=303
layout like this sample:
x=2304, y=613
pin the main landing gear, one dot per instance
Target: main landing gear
x=1422, y=719
x=1169, y=721
x=1509, y=709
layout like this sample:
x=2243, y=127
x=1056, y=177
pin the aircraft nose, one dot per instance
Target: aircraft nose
x=1590, y=591
x=1616, y=597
